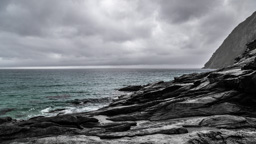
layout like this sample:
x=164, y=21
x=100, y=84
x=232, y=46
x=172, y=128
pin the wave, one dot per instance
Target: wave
x=74, y=92
x=85, y=105
x=65, y=96
x=56, y=85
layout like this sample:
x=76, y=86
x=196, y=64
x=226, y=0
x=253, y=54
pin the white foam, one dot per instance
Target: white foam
x=67, y=110
x=46, y=110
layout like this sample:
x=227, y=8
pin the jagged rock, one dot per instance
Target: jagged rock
x=251, y=45
x=90, y=100
x=204, y=137
x=250, y=66
x=145, y=131
x=11, y=129
x=131, y=88
x=227, y=121
x=112, y=124
x=222, y=137
x=119, y=128
x=5, y=119
x=44, y=124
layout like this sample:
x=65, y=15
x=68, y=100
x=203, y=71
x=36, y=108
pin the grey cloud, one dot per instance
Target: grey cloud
x=115, y=32
x=181, y=11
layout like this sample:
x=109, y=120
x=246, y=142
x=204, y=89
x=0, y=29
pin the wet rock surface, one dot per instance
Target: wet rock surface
x=90, y=100
x=208, y=108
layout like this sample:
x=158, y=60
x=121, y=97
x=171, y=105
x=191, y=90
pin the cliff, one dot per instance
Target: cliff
x=234, y=44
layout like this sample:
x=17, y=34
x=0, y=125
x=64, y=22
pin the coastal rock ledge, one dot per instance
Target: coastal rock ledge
x=217, y=107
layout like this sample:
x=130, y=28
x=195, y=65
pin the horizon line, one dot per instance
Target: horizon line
x=105, y=67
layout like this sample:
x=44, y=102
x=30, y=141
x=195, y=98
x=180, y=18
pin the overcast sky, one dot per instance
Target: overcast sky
x=174, y=33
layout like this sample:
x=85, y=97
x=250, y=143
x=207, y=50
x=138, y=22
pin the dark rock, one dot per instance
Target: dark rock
x=6, y=110
x=5, y=119
x=71, y=119
x=112, y=124
x=43, y=124
x=248, y=83
x=37, y=118
x=131, y=88
x=10, y=130
x=227, y=121
x=90, y=100
x=251, y=45
x=84, y=119
x=144, y=131
x=89, y=125
x=131, y=116
x=250, y=66
x=221, y=137
x=118, y=128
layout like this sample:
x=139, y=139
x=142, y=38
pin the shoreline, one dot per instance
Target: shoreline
x=209, y=107
x=192, y=107
x=29, y=92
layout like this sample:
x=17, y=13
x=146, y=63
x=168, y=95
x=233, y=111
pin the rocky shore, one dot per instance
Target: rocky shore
x=214, y=107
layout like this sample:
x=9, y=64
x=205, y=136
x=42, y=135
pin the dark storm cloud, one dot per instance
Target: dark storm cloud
x=184, y=10
x=179, y=33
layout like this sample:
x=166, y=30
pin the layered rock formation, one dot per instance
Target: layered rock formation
x=234, y=44
x=215, y=107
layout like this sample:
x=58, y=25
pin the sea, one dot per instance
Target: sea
x=26, y=93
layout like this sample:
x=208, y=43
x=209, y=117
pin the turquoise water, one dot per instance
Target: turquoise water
x=28, y=93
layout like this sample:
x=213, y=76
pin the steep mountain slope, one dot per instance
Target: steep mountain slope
x=234, y=44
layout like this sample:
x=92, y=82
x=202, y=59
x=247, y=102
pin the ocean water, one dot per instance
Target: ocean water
x=28, y=93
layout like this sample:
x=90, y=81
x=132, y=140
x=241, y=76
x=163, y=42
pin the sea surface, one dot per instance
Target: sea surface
x=25, y=93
